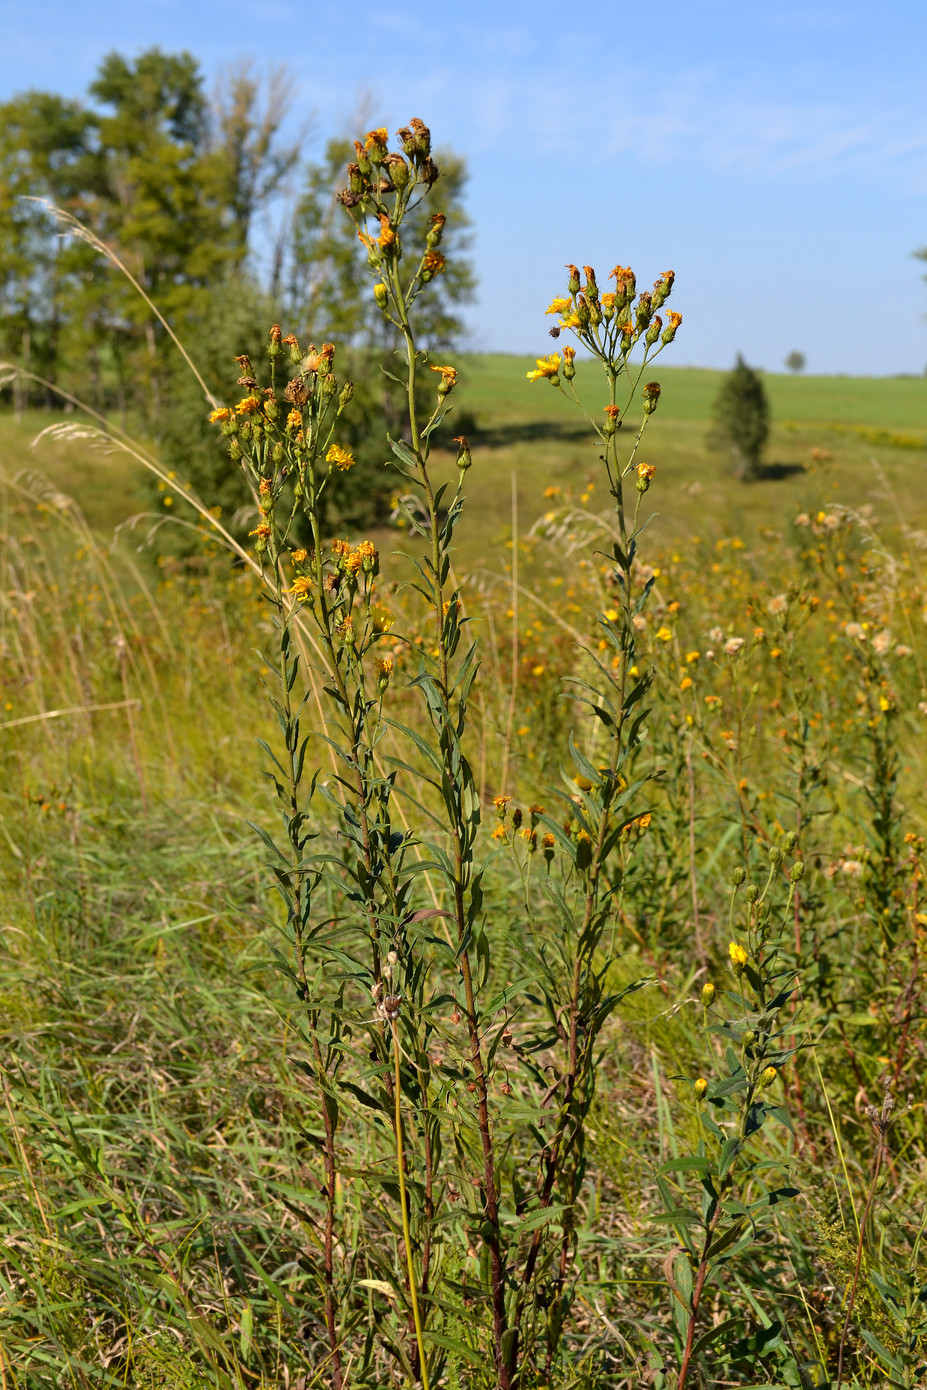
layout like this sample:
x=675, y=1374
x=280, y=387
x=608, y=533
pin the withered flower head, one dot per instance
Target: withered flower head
x=296, y=391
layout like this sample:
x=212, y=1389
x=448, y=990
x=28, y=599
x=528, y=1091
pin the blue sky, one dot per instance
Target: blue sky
x=774, y=155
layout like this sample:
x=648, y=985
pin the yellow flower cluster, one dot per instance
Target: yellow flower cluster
x=341, y=457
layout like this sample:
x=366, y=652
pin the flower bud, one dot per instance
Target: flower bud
x=645, y=476
x=464, y=457
x=737, y=876
x=751, y=893
x=663, y=287
x=398, y=170
x=375, y=145
x=422, y=137
x=363, y=163
x=384, y=670
x=381, y=295
x=582, y=311
x=708, y=994
x=436, y=231
x=775, y=854
x=347, y=392
x=569, y=363
x=797, y=871
x=700, y=1088
x=669, y=332
x=329, y=385
x=574, y=281
x=768, y=1076
x=651, y=396
x=653, y=332
x=790, y=841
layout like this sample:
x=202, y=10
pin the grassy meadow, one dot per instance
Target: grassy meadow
x=160, y=1172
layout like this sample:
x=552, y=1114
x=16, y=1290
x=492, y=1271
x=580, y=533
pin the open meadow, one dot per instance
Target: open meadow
x=669, y=1127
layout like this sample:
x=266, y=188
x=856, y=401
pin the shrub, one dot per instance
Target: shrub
x=740, y=420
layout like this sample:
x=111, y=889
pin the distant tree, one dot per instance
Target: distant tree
x=740, y=420
x=795, y=362
x=169, y=181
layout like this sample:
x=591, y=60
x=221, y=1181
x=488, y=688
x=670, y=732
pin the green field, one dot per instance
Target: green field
x=874, y=429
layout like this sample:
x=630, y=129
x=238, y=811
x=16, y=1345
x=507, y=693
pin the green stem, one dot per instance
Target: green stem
x=406, y=1233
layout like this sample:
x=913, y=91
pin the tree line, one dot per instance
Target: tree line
x=208, y=200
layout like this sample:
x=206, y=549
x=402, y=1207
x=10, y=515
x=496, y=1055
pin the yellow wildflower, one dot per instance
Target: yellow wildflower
x=262, y=532
x=768, y=1076
x=548, y=367
x=341, y=457
x=294, y=420
x=663, y=634
x=700, y=1088
x=300, y=556
x=301, y=587
x=448, y=378
x=500, y=833
x=434, y=262
x=384, y=669
x=559, y=306
x=216, y=417
x=739, y=958
x=387, y=237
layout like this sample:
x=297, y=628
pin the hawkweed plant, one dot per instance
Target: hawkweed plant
x=444, y=1232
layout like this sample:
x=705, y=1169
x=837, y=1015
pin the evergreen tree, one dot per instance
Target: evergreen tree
x=740, y=420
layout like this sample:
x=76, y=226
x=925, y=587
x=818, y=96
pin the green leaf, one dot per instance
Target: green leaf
x=714, y=1333
x=882, y=1352
x=690, y=1163
x=731, y=1149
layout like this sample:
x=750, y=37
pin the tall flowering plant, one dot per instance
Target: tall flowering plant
x=452, y=1065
